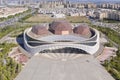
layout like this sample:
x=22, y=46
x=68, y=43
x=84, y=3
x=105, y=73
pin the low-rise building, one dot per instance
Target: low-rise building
x=58, y=15
x=110, y=6
x=107, y=14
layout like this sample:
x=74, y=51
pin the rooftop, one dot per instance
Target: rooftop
x=60, y=28
x=82, y=30
x=39, y=30
x=85, y=67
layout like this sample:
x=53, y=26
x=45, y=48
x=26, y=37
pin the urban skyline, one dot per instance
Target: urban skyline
x=75, y=0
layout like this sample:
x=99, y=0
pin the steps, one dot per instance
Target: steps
x=66, y=56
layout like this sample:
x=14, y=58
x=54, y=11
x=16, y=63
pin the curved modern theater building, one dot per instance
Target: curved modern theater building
x=61, y=35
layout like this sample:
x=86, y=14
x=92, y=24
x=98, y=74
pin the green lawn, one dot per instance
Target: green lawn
x=110, y=21
x=16, y=29
x=47, y=19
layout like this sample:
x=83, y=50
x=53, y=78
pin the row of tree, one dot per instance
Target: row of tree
x=13, y=16
x=113, y=66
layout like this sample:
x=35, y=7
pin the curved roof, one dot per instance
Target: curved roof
x=41, y=67
x=39, y=30
x=60, y=26
x=82, y=30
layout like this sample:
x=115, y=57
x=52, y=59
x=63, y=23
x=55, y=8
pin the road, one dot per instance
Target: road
x=113, y=26
x=15, y=19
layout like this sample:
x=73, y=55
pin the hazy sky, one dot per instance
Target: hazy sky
x=96, y=0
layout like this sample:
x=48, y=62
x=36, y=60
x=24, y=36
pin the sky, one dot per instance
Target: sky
x=98, y=0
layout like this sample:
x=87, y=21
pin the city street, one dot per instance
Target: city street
x=14, y=20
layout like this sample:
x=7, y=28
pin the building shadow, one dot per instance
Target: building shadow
x=20, y=40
